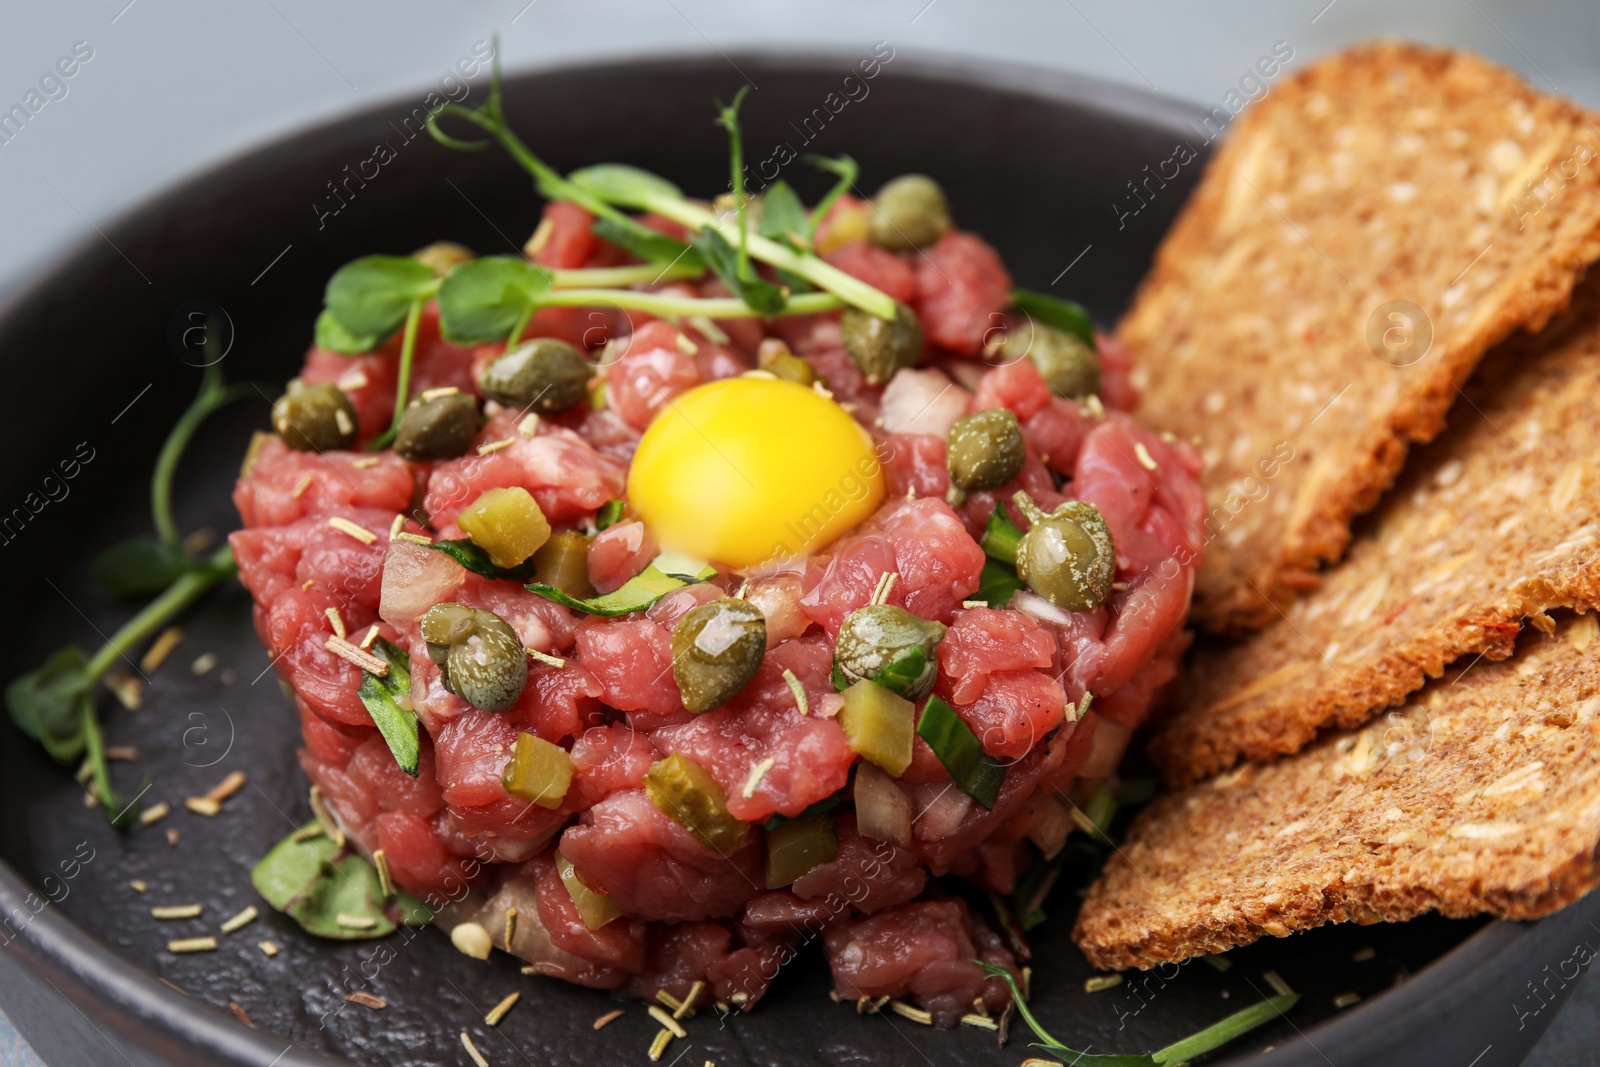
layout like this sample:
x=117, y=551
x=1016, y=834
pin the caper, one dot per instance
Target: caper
x=909, y=212
x=442, y=427
x=1067, y=556
x=1070, y=366
x=315, y=418
x=543, y=375
x=481, y=660
x=443, y=256
x=716, y=650
x=882, y=346
x=889, y=645
x=984, y=451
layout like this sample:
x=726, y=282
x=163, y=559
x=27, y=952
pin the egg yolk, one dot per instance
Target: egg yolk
x=753, y=470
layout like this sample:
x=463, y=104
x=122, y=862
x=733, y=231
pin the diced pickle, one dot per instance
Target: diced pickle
x=879, y=725
x=563, y=562
x=798, y=846
x=538, y=771
x=594, y=908
x=683, y=790
x=507, y=523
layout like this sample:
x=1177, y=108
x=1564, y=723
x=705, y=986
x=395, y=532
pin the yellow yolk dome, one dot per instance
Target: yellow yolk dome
x=753, y=470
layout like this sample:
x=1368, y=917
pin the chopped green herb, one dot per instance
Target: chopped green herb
x=997, y=584
x=1001, y=536
x=388, y=701
x=758, y=294
x=1059, y=314
x=959, y=749
x=315, y=881
x=476, y=560
x=1212, y=1037
x=636, y=594
x=610, y=514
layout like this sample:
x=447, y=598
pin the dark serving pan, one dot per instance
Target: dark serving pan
x=1038, y=162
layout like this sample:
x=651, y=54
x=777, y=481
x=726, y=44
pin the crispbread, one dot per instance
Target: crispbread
x=1496, y=520
x=1480, y=796
x=1389, y=172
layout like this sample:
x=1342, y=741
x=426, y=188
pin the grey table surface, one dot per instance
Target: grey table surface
x=173, y=86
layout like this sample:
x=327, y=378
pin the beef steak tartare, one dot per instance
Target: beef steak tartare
x=707, y=612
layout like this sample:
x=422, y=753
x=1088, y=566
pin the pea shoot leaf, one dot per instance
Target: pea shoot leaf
x=723, y=259
x=388, y=700
x=478, y=562
x=847, y=171
x=652, y=246
x=782, y=213
x=484, y=299
x=959, y=749
x=369, y=297
x=143, y=566
x=618, y=183
x=1056, y=313
x=318, y=883
x=330, y=335
x=49, y=704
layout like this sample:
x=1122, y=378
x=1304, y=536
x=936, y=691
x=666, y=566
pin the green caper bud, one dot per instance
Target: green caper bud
x=480, y=657
x=1070, y=366
x=441, y=427
x=984, y=451
x=315, y=418
x=1066, y=556
x=442, y=257
x=889, y=645
x=909, y=213
x=716, y=649
x=882, y=346
x=543, y=375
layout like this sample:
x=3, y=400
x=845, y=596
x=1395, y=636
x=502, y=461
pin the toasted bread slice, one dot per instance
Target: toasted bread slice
x=1495, y=521
x=1364, y=235
x=1480, y=796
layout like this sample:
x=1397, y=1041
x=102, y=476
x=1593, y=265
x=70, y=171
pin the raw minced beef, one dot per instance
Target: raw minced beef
x=1015, y=675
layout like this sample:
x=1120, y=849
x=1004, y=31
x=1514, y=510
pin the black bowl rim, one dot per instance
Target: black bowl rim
x=101, y=985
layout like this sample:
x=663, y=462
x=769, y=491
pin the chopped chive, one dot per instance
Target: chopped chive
x=959, y=749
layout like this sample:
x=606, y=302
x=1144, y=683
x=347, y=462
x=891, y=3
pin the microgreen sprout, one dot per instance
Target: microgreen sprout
x=1212, y=1037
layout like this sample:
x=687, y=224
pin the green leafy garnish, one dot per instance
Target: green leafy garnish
x=1027, y=897
x=847, y=171
x=621, y=184
x=997, y=584
x=51, y=704
x=388, y=701
x=783, y=215
x=331, y=891
x=959, y=749
x=484, y=299
x=609, y=515
x=1001, y=537
x=1197, y=1044
x=757, y=293
x=636, y=594
x=330, y=335
x=370, y=296
x=477, y=561
x=141, y=567
x=1056, y=313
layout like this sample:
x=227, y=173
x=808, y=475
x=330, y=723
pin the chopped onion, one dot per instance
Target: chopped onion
x=1054, y=825
x=1040, y=608
x=415, y=579
x=922, y=401
x=883, y=811
x=1109, y=742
